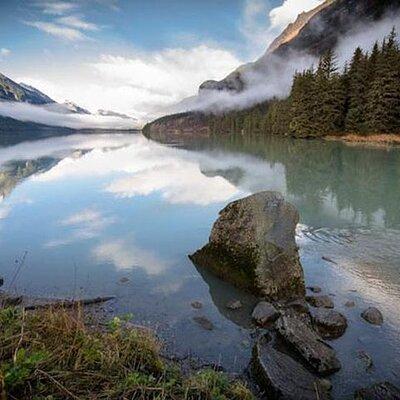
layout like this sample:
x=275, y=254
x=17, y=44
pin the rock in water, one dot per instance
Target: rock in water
x=330, y=324
x=252, y=245
x=265, y=313
x=281, y=377
x=320, y=301
x=373, y=316
x=318, y=354
x=234, y=305
x=379, y=391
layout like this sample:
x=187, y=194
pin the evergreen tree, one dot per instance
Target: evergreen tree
x=384, y=95
x=357, y=93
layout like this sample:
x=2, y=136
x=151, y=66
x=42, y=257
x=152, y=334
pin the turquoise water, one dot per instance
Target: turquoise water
x=98, y=215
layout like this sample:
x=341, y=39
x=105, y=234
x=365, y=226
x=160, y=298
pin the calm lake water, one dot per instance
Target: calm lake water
x=96, y=215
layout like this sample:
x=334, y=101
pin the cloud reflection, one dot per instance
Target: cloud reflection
x=126, y=256
x=86, y=224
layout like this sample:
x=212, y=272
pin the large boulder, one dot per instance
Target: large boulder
x=280, y=376
x=308, y=344
x=252, y=245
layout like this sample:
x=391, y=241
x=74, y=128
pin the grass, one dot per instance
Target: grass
x=56, y=354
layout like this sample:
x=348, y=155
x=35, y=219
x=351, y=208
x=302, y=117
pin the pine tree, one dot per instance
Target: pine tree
x=357, y=93
x=384, y=95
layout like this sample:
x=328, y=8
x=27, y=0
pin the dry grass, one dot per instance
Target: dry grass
x=53, y=355
x=376, y=139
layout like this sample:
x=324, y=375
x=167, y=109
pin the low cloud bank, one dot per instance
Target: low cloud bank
x=38, y=114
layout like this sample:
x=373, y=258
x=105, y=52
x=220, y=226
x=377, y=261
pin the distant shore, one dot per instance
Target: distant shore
x=375, y=140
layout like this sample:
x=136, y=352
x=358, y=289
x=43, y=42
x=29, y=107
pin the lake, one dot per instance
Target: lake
x=117, y=214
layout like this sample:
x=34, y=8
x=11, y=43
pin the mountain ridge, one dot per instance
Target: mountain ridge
x=318, y=31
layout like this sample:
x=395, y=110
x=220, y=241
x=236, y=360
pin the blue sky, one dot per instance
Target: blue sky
x=134, y=56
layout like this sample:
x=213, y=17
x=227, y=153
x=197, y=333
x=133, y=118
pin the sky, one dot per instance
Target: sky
x=134, y=56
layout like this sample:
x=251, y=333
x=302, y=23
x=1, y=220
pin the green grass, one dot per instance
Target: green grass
x=54, y=354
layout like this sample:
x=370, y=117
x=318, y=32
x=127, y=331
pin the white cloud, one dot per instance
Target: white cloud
x=4, y=52
x=261, y=25
x=59, y=31
x=56, y=7
x=77, y=22
x=283, y=15
x=140, y=84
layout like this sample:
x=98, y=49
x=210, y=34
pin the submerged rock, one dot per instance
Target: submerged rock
x=320, y=301
x=379, y=391
x=265, y=313
x=314, y=289
x=282, y=377
x=366, y=358
x=350, y=304
x=330, y=324
x=197, y=305
x=1, y=281
x=300, y=336
x=204, y=322
x=252, y=245
x=234, y=305
x=373, y=316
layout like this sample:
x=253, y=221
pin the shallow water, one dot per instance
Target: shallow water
x=90, y=215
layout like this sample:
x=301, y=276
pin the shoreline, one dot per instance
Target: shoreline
x=377, y=140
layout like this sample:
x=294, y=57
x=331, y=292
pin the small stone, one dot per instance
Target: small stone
x=373, y=316
x=234, y=305
x=124, y=280
x=264, y=313
x=1, y=281
x=320, y=301
x=314, y=289
x=379, y=391
x=204, y=322
x=350, y=304
x=326, y=384
x=197, y=305
x=330, y=324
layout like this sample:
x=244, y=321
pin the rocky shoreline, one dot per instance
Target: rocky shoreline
x=252, y=246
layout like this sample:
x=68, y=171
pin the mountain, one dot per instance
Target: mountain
x=313, y=33
x=109, y=113
x=300, y=44
x=12, y=91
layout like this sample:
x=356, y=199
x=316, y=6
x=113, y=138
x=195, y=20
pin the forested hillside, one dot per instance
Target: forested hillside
x=362, y=98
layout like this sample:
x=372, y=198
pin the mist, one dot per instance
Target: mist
x=272, y=76
x=39, y=114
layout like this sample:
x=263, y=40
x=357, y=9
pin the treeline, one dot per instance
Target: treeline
x=363, y=98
